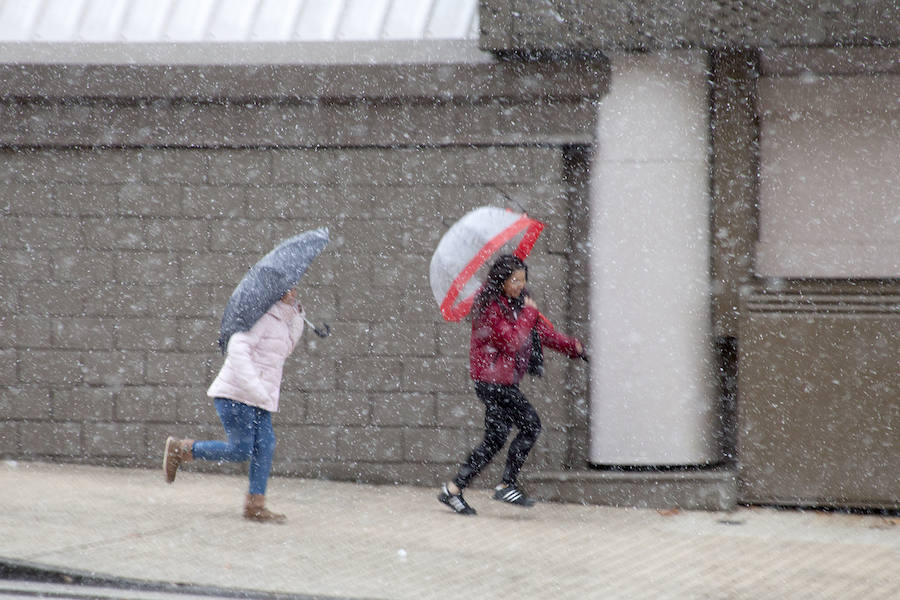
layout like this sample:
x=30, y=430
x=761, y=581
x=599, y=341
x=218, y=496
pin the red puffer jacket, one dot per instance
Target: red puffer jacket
x=501, y=342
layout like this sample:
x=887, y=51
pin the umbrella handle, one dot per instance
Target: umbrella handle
x=319, y=332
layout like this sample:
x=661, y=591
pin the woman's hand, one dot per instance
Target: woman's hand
x=579, y=348
x=529, y=301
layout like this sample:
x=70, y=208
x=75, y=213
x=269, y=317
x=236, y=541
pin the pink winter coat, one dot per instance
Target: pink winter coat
x=254, y=359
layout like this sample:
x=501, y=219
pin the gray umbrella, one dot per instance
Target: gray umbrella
x=268, y=280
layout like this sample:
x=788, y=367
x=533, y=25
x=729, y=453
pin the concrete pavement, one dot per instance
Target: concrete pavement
x=344, y=540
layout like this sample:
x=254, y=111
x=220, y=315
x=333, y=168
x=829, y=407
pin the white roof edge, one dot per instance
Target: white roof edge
x=403, y=52
x=103, y=21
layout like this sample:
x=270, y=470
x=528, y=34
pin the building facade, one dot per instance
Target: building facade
x=718, y=180
x=140, y=180
x=801, y=133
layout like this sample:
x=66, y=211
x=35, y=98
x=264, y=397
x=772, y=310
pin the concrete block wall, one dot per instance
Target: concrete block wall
x=654, y=24
x=117, y=263
x=134, y=195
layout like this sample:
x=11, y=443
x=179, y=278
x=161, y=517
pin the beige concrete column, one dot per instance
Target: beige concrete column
x=652, y=398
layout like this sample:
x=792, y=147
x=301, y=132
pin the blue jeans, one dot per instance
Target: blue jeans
x=250, y=437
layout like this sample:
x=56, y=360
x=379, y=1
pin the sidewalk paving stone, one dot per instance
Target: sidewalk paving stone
x=346, y=540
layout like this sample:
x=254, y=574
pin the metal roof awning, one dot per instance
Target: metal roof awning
x=239, y=32
x=152, y=21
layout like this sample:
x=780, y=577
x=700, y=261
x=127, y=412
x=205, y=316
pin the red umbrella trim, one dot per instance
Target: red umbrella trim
x=533, y=231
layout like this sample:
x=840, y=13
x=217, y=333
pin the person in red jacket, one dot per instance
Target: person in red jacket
x=503, y=317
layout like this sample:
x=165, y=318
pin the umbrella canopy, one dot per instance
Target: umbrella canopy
x=468, y=245
x=268, y=280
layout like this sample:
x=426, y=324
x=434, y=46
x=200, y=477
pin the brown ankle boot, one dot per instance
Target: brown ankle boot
x=255, y=510
x=176, y=453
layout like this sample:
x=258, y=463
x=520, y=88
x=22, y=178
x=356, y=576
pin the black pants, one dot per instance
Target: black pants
x=505, y=406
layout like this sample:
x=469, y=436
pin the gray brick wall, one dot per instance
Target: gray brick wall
x=117, y=262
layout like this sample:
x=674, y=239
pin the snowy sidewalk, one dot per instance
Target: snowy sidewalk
x=353, y=541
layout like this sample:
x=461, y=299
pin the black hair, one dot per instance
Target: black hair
x=500, y=271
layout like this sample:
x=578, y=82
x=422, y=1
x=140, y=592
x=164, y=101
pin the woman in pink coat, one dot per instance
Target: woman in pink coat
x=246, y=394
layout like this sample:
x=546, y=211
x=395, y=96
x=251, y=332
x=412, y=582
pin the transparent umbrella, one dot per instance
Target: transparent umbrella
x=467, y=246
